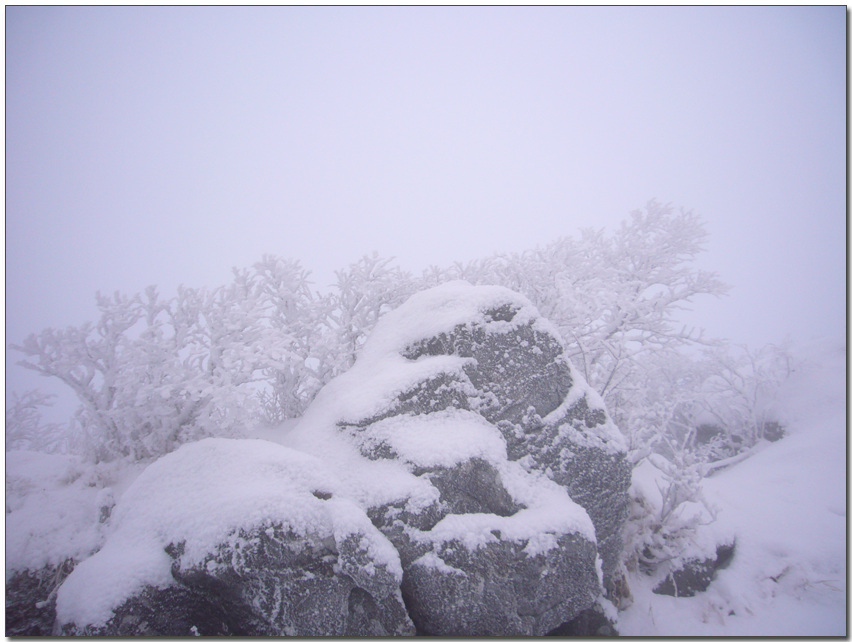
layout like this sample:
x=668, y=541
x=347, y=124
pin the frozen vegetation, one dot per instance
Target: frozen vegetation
x=520, y=445
x=785, y=505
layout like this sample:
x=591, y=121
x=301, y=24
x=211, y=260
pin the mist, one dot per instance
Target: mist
x=166, y=145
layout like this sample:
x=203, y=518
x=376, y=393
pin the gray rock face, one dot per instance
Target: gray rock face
x=473, y=486
x=519, y=379
x=295, y=586
x=174, y=611
x=267, y=582
x=512, y=373
x=590, y=623
x=499, y=589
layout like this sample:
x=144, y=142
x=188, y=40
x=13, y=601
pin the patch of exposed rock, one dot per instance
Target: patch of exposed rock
x=31, y=600
x=695, y=574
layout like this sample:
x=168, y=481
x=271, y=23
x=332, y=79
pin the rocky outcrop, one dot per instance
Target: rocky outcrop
x=266, y=582
x=515, y=374
x=461, y=479
x=498, y=550
x=459, y=360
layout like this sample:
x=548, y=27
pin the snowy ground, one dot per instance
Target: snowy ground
x=787, y=506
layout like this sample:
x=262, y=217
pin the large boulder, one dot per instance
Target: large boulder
x=239, y=537
x=457, y=392
x=521, y=380
x=498, y=550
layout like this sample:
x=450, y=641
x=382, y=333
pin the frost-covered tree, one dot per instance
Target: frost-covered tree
x=363, y=292
x=152, y=374
x=716, y=403
x=24, y=427
x=155, y=372
x=293, y=327
x=743, y=390
x=662, y=528
x=88, y=359
x=692, y=416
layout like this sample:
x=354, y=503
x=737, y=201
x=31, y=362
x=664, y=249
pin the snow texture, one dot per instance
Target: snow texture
x=54, y=509
x=200, y=496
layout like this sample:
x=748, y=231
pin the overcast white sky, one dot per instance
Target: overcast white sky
x=168, y=145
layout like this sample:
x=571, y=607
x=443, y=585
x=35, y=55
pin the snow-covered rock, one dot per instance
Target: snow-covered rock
x=470, y=424
x=54, y=510
x=516, y=375
x=693, y=575
x=250, y=537
x=498, y=551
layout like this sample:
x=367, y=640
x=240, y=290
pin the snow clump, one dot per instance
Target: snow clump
x=200, y=496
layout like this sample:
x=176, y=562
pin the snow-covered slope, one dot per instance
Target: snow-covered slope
x=53, y=507
x=787, y=507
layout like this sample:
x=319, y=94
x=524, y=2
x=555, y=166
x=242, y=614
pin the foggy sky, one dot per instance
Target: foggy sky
x=165, y=145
